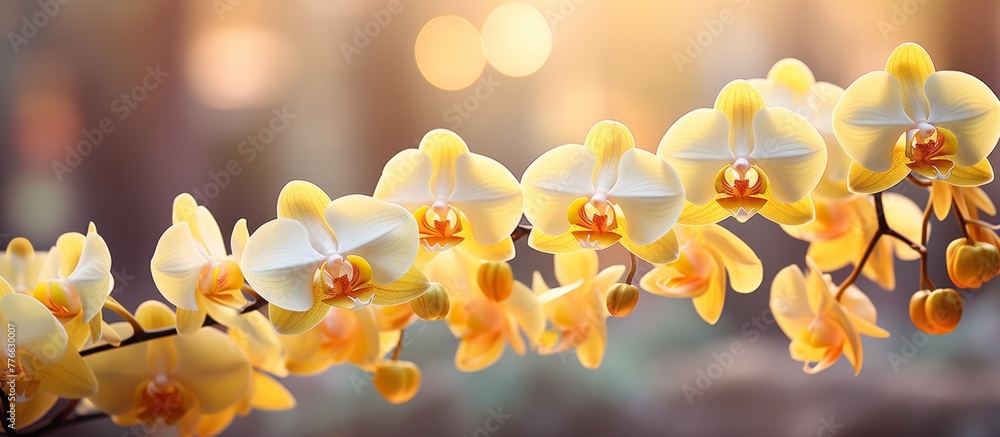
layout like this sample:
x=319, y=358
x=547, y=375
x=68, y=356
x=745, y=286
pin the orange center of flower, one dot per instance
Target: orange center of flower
x=594, y=221
x=341, y=281
x=740, y=189
x=439, y=226
x=59, y=297
x=222, y=283
x=930, y=154
x=161, y=400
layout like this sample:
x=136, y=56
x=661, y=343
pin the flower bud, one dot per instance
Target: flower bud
x=432, y=305
x=970, y=265
x=496, y=279
x=936, y=312
x=397, y=381
x=622, y=299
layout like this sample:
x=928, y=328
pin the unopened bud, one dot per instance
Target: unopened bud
x=936, y=312
x=432, y=305
x=970, y=265
x=496, y=279
x=622, y=299
x=397, y=381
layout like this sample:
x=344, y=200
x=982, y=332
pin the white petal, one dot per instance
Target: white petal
x=869, y=118
x=406, y=180
x=280, y=263
x=790, y=151
x=966, y=106
x=382, y=233
x=553, y=182
x=489, y=195
x=36, y=330
x=650, y=194
x=92, y=278
x=238, y=241
x=697, y=146
x=203, y=225
x=176, y=265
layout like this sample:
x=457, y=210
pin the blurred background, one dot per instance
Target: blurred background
x=110, y=109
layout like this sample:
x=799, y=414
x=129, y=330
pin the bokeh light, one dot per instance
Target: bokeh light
x=449, y=52
x=241, y=67
x=517, y=39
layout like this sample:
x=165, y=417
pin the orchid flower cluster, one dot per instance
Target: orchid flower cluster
x=342, y=279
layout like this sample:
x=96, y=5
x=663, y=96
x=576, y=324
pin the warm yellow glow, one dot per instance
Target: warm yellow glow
x=449, y=52
x=240, y=67
x=517, y=39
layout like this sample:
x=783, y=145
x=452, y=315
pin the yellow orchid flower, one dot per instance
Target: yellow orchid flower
x=601, y=193
x=578, y=317
x=820, y=327
x=73, y=280
x=319, y=254
x=707, y=254
x=842, y=230
x=172, y=380
x=741, y=158
x=971, y=200
x=941, y=125
x=459, y=198
x=43, y=366
x=485, y=326
x=257, y=339
x=790, y=84
x=343, y=336
x=192, y=269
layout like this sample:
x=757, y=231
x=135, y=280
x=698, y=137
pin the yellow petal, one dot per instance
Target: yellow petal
x=69, y=246
x=709, y=305
x=901, y=214
x=383, y=233
x=279, y=263
x=238, y=241
x=189, y=322
x=118, y=382
x=797, y=213
x=608, y=140
x=695, y=215
x=68, y=378
x=973, y=176
x=739, y=100
x=213, y=368
x=176, y=266
x=542, y=242
x=591, y=351
x=573, y=266
x=650, y=195
x=478, y=351
x=406, y=180
x=92, y=277
x=37, y=330
x=861, y=312
x=664, y=250
x=745, y=269
x=489, y=195
x=306, y=203
x=789, y=303
x=869, y=119
x=966, y=106
x=911, y=65
x=831, y=255
x=864, y=181
x=502, y=251
x=793, y=74
x=524, y=306
x=295, y=322
x=790, y=151
x=553, y=181
x=270, y=395
x=30, y=411
x=410, y=286
x=941, y=198
x=697, y=147
x=443, y=147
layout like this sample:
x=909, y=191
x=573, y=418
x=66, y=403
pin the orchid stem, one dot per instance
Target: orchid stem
x=519, y=232
x=925, y=279
x=962, y=223
x=980, y=223
x=117, y=308
x=632, y=264
x=399, y=346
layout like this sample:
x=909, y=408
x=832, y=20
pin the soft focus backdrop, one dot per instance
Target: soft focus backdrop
x=110, y=109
